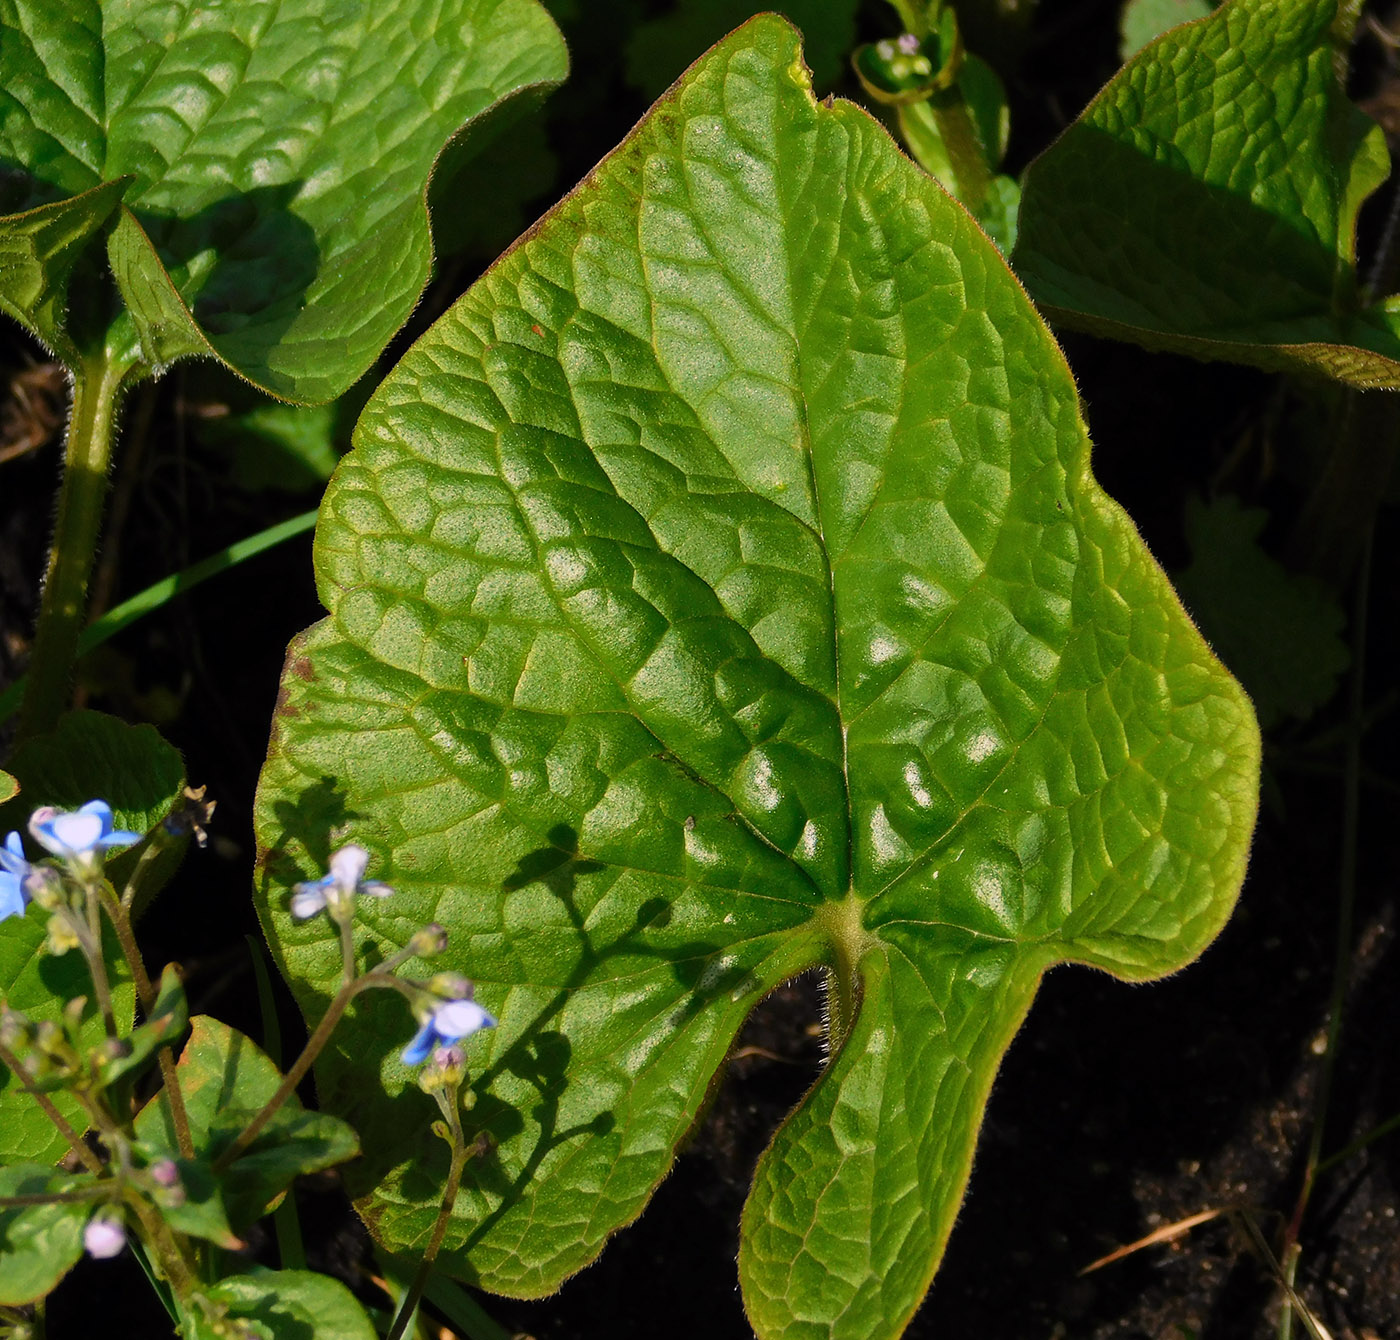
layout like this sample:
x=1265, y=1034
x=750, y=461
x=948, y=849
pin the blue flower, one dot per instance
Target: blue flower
x=337, y=889
x=451, y=1021
x=14, y=870
x=78, y=835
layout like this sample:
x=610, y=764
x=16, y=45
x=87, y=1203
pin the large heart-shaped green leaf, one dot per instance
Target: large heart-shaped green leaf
x=277, y=155
x=720, y=590
x=1205, y=202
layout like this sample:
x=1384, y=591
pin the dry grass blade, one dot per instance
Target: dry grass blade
x=1166, y=1233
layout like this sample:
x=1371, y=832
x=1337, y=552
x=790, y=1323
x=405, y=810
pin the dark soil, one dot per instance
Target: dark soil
x=1120, y=1110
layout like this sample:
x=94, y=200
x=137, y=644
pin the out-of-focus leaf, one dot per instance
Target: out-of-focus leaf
x=1279, y=631
x=662, y=47
x=290, y=1305
x=1143, y=20
x=39, y=1244
x=92, y=756
x=1205, y=202
x=984, y=97
x=263, y=445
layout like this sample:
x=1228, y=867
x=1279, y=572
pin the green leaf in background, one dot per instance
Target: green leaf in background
x=225, y=1079
x=93, y=756
x=1205, y=202
x=720, y=590
x=278, y=156
x=1142, y=20
x=262, y=445
x=9, y=787
x=1279, y=631
x=662, y=47
x=290, y=1305
x=983, y=98
x=39, y=985
x=489, y=195
x=39, y=1244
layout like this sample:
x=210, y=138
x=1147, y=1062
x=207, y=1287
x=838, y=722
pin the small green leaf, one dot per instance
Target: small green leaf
x=1143, y=20
x=984, y=98
x=39, y=248
x=1205, y=202
x=1279, y=631
x=225, y=1080
x=718, y=591
x=39, y=1244
x=169, y=1017
x=9, y=787
x=294, y=1142
x=199, y=1211
x=39, y=985
x=275, y=159
x=292, y=1305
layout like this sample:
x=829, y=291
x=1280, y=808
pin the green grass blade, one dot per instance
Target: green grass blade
x=462, y=1310
x=158, y=594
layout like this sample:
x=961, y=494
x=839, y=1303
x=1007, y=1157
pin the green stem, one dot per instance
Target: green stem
x=97, y=388
x=913, y=14
x=294, y=1076
x=57, y=1197
x=171, y=1094
x=174, y=1266
x=96, y=965
x=966, y=154
x=350, y=987
x=939, y=132
x=144, y=865
x=408, y=1305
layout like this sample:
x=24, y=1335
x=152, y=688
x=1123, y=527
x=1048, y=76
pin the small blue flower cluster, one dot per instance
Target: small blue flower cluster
x=77, y=837
x=450, y=1018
